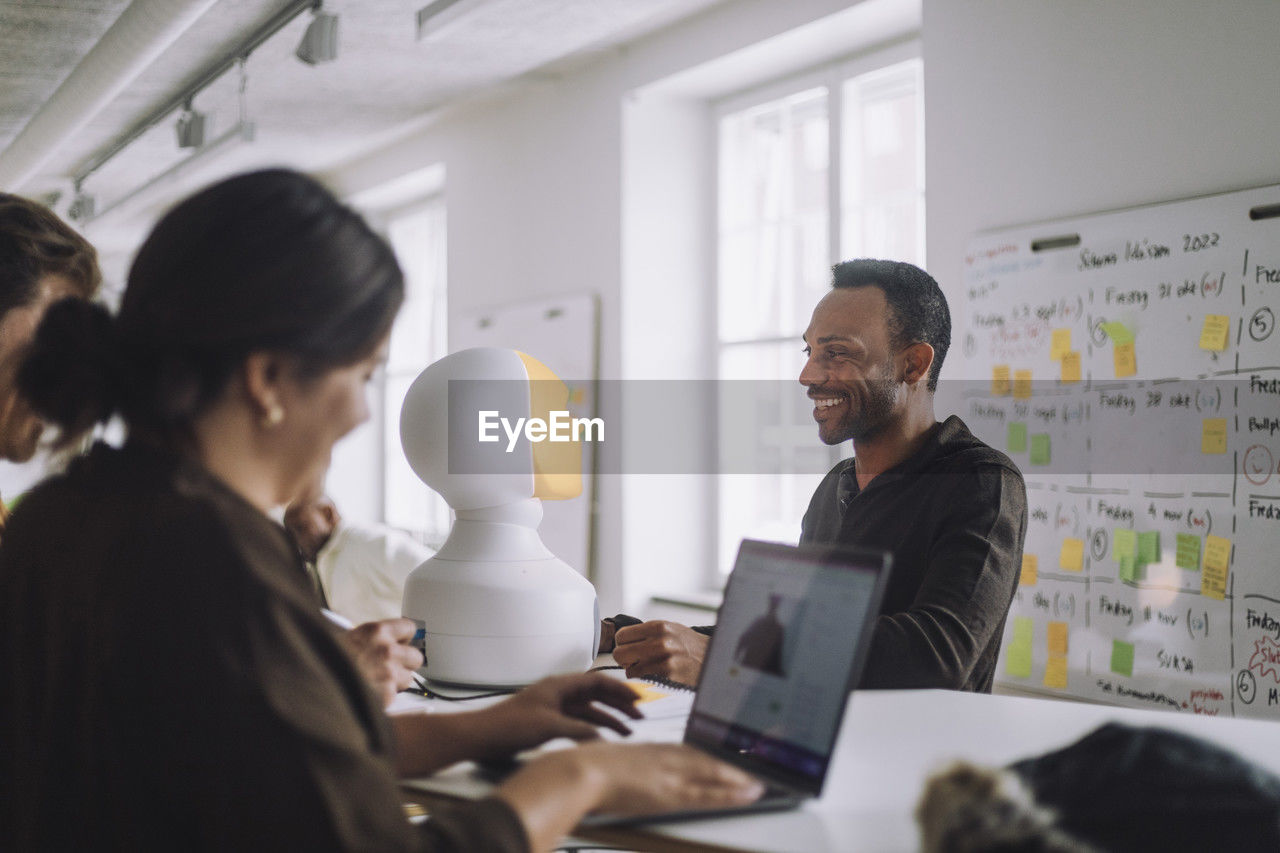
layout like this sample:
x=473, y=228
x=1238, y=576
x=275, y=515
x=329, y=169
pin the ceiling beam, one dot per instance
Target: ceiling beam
x=137, y=38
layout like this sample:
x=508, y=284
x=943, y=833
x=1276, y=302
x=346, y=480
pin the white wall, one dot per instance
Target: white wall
x=535, y=207
x=1034, y=110
x=1040, y=110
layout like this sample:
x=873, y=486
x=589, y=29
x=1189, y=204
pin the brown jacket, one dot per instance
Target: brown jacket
x=169, y=683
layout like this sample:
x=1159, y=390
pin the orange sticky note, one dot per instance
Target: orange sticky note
x=644, y=691
x=1022, y=384
x=1213, y=435
x=1216, y=332
x=1071, y=557
x=1000, y=380
x=1055, y=672
x=1030, y=563
x=1125, y=359
x=1059, y=343
x=1057, y=638
x=1071, y=366
x=1214, y=567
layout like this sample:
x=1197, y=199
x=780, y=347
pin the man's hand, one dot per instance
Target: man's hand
x=559, y=706
x=660, y=649
x=384, y=656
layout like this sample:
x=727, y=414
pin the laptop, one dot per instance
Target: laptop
x=790, y=643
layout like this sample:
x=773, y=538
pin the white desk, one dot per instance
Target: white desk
x=892, y=740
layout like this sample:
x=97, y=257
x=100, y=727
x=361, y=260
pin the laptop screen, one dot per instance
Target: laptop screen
x=788, y=647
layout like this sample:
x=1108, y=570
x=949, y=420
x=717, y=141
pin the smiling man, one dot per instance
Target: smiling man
x=952, y=510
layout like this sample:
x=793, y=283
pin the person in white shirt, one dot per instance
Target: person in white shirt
x=360, y=568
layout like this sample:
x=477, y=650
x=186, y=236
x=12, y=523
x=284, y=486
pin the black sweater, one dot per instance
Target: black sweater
x=954, y=516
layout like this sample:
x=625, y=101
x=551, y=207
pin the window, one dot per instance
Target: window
x=417, y=339
x=827, y=168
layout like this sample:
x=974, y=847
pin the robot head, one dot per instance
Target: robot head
x=464, y=428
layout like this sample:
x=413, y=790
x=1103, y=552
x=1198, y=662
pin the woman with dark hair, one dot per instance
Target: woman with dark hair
x=168, y=680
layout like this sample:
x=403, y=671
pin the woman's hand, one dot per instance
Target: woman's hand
x=559, y=706
x=384, y=656
x=552, y=793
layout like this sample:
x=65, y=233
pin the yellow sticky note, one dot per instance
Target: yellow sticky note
x=1055, y=672
x=1213, y=435
x=1216, y=332
x=1217, y=558
x=1030, y=564
x=1057, y=639
x=1125, y=359
x=1022, y=384
x=1071, y=557
x=1000, y=380
x=1217, y=553
x=1071, y=366
x=1059, y=343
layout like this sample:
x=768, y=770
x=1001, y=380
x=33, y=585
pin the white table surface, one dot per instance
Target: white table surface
x=892, y=740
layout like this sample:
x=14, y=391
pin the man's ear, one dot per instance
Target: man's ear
x=261, y=373
x=916, y=360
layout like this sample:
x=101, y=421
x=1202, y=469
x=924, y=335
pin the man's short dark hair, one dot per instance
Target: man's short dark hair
x=918, y=311
x=35, y=243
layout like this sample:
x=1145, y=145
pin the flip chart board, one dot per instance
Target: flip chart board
x=1128, y=362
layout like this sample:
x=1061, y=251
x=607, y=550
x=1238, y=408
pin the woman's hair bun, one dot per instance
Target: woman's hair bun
x=70, y=374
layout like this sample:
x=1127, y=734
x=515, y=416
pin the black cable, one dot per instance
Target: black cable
x=421, y=689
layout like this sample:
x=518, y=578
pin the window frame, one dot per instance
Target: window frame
x=380, y=220
x=833, y=77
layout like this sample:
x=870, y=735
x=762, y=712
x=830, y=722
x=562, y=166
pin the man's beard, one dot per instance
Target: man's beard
x=873, y=414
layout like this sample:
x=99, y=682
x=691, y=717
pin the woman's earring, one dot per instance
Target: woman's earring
x=273, y=416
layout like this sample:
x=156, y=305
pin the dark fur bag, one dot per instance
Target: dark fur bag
x=1116, y=789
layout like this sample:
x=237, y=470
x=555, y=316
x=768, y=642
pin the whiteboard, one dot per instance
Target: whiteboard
x=562, y=333
x=1128, y=362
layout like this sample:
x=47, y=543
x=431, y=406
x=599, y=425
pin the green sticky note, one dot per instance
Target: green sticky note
x=1122, y=658
x=1022, y=631
x=1149, y=546
x=1040, y=448
x=1017, y=661
x=1128, y=569
x=1123, y=543
x=1118, y=332
x=1188, y=551
x=1017, y=438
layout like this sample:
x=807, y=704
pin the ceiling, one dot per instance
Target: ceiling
x=311, y=117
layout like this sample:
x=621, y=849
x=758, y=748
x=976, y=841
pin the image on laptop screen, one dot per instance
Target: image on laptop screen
x=777, y=674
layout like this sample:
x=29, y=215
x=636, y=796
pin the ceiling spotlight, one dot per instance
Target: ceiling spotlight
x=190, y=128
x=320, y=41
